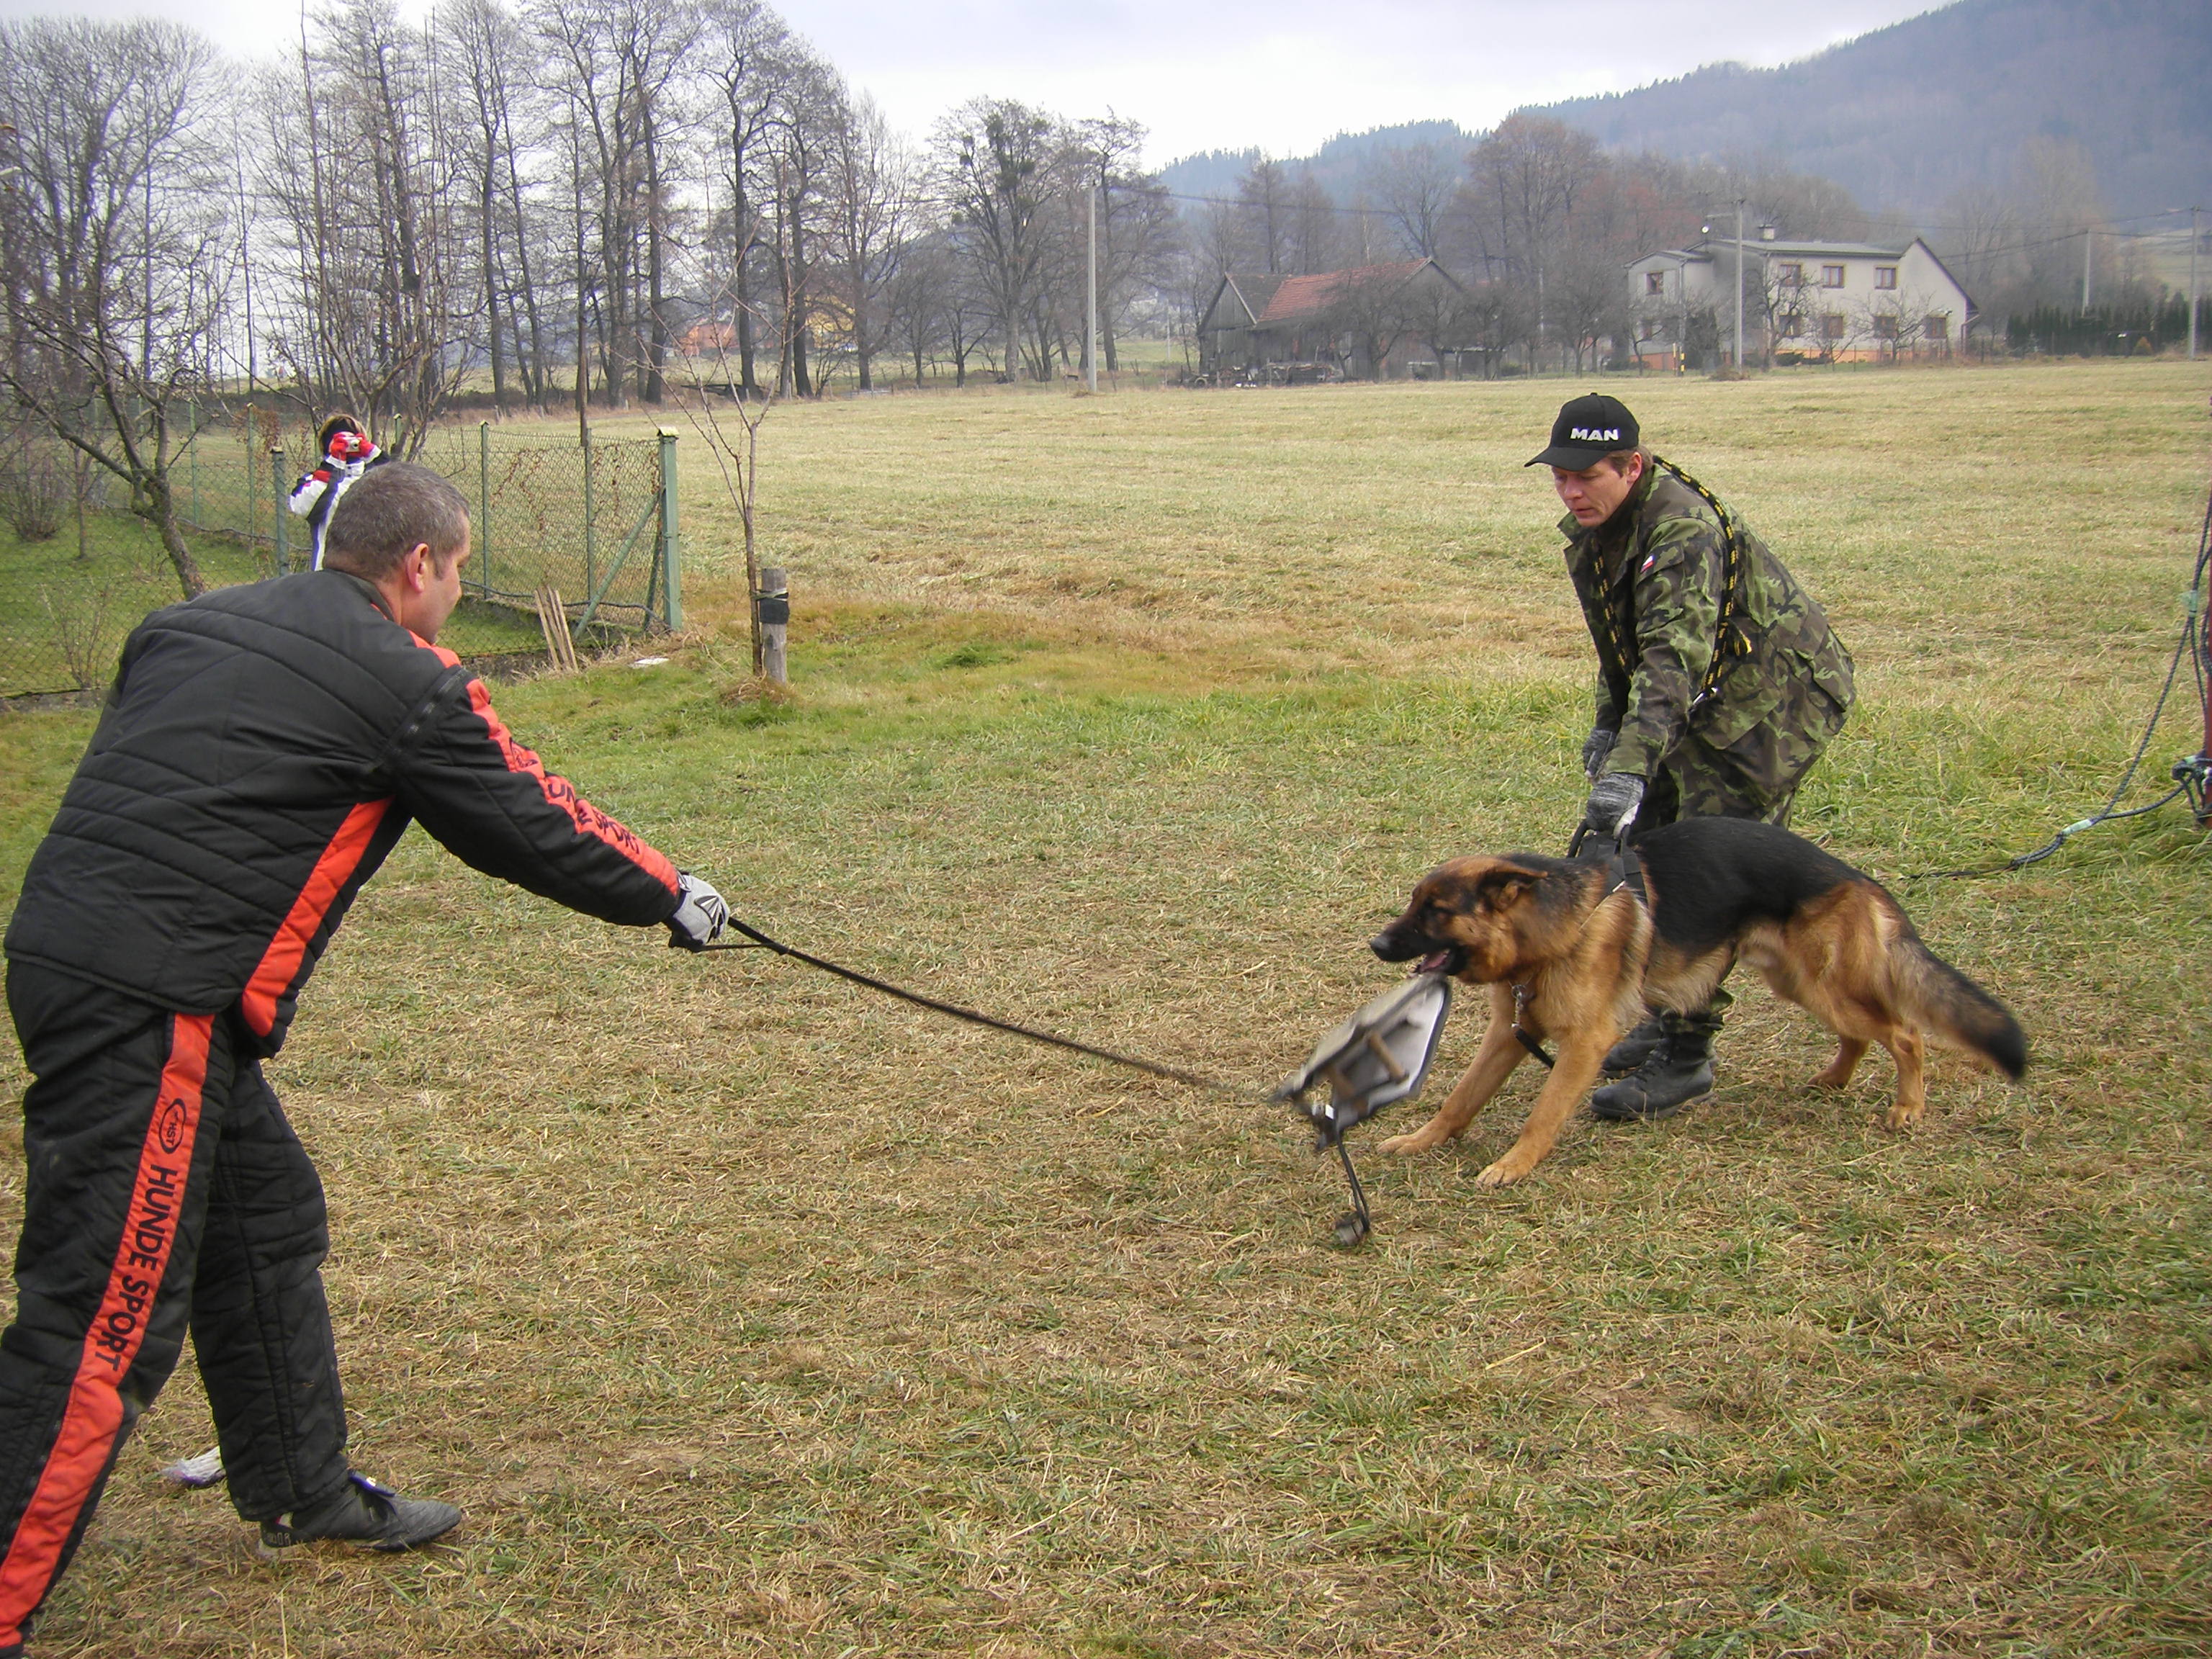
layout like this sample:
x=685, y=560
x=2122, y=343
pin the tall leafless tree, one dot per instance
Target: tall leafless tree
x=1264, y=194
x=1139, y=230
x=1412, y=185
x=801, y=161
x=1526, y=179
x=875, y=204
x=616, y=64
x=999, y=166
x=745, y=53
x=492, y=60
x=115, y=257
x=383, y=304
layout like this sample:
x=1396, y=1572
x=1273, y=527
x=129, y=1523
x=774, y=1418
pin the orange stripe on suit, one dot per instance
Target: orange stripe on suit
x=94, y=1415
x=280, y=963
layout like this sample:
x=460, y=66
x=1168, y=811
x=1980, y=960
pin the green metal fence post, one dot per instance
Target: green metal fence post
x=671, y=592
x=192, y=459
x=276, y=478
x=590, y=531
x=483, y=507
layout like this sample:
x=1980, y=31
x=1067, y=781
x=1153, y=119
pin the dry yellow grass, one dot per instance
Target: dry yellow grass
x=746, y=1313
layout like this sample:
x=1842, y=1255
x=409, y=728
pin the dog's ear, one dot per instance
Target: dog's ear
x=1506, y=884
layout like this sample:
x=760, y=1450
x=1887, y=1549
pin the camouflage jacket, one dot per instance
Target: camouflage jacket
x=1650, y=581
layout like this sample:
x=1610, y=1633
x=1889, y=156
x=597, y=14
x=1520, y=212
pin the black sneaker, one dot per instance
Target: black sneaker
x=363, y=1513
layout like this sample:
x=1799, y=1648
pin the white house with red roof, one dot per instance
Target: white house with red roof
x=1825, y=301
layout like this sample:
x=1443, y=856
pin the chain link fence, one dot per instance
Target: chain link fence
x=584, y=533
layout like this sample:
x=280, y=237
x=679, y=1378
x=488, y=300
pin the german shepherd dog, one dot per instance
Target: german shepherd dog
x=1570, y=950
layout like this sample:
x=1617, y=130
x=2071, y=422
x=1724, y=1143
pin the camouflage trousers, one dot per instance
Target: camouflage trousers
x=1698, y=782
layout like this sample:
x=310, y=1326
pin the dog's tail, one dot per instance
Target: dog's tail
x=1940, y=999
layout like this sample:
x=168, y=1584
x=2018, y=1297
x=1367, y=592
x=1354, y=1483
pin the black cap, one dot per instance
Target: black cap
x=1590, y=428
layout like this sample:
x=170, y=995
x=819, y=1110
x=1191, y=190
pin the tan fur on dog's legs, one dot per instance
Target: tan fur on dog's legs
x=1485, y=1075
x=1849, y=1052
x=1581, y=1057
x=1909, y=1049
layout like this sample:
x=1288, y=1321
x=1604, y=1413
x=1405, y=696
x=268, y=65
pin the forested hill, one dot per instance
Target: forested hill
x=1906, y=116
x=1213, y=174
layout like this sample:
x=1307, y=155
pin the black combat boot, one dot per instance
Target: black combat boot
x=1634, y=1048
x=1680, y=1070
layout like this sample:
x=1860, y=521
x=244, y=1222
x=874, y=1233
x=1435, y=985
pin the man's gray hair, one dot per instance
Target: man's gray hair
x=388, y=510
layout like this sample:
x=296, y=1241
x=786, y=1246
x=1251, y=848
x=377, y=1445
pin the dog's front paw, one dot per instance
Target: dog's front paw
x=1504, y=1172
x=1406, y=1146
x=1901, y=1118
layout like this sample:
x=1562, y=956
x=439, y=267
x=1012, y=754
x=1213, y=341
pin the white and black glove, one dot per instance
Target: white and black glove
x=1614, y=800
x=700, y=916
x=1596, y=747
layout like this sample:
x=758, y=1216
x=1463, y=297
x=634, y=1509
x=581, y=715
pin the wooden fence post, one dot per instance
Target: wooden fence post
x=772, y=604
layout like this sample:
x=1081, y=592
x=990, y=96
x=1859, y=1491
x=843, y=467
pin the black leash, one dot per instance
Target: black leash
x=760, y=941
x=1350, y=1230
x=2190, y=776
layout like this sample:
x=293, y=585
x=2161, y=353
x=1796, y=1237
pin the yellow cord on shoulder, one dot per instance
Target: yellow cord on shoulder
x=1728, y=639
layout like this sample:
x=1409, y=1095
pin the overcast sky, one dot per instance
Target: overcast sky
x=1280, y=74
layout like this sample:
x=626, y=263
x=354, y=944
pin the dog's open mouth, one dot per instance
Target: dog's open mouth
x=1447, y=961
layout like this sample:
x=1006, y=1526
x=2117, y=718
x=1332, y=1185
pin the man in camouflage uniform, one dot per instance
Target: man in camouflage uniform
x=1719, y=683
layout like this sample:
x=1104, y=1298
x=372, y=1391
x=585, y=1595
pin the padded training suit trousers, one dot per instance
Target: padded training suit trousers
x=163, y=1190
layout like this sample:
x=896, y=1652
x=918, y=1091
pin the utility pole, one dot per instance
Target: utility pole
x=1739, y=284
x=1682, y=299
x=2193, y=212
x=1090, y=299
x=2088, y=249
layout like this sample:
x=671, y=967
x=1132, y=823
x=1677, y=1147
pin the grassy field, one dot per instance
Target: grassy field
x=747, y=1313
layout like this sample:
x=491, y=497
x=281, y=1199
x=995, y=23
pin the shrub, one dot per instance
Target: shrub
x=35, y=489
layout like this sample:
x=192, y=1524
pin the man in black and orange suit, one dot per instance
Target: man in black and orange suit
x=261, y=749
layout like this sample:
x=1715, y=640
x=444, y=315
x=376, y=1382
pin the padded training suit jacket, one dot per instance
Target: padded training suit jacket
x=262, y=750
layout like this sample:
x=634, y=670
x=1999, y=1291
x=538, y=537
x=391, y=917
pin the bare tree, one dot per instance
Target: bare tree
x=1374, y=306
x=1319, y=238
x=1588, y=292
x=492, y=61
x=1526, y=179
x=115, y=258
x=1413, y=185
x=809, y=114
x=614, y=64
x=1138, y=228
x=381, y=306
x=2061, y=206
x=874, y=206
x=998, y=168
x=920, y=307
x=745, y=53
x=1265, y=195
x=1981, y=243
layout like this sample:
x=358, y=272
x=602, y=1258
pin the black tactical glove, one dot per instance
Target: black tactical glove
x=1613, y=803
x=700, y=916
x=1596, y=747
